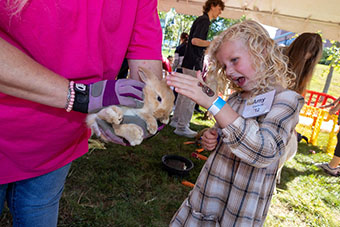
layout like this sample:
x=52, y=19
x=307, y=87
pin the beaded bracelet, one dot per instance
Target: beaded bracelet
x=70, y=97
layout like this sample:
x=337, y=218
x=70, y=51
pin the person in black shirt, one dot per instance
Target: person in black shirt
x=179, y=53
x=192, y=62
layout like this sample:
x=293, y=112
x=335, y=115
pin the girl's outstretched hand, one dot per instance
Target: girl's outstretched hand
x=193, y=88
x=209, y=139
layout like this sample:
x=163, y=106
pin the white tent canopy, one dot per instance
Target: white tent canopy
x=291, y=15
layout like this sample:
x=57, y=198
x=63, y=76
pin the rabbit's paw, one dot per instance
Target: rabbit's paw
x=131, y=132
x=152, y=126
x=164, y=120
x=111, y=114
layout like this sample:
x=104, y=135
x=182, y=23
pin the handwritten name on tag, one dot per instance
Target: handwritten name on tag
x=259, y=105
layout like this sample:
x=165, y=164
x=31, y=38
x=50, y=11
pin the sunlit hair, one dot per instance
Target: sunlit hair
x=304, y=53
x=269, y=62
x=209, y=3
x=15, y=6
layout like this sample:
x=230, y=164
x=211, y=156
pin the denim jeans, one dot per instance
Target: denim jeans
x=34, y=202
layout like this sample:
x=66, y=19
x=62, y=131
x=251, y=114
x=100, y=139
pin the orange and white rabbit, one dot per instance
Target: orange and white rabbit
x=158, y=104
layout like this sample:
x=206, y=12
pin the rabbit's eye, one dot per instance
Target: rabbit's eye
x=159, y=99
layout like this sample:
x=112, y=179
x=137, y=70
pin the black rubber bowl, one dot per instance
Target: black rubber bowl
x=177, y=165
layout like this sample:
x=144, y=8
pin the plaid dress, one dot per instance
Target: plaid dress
x=236, y=184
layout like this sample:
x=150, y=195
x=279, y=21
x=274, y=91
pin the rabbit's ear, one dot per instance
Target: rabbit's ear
x=143, y=74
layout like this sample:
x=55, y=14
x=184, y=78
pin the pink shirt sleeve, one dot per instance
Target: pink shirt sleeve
x=147, y=33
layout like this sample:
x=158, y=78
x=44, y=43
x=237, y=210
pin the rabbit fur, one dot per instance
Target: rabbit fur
x=158, y=104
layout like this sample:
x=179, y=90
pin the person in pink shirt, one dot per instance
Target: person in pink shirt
x=58, y=62
x=166, y=63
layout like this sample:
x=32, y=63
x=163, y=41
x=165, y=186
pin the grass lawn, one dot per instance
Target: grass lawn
x=126, y=186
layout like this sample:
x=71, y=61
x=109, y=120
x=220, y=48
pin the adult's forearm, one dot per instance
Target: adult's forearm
x=153, y=65
x=200, y=42
x=22, y=77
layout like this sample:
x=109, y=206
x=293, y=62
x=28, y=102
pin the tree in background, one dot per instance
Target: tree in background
x=221, y=24
x=333, y=61
x=174, y=24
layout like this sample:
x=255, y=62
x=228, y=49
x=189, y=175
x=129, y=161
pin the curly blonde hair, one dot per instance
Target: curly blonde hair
x=268, y=60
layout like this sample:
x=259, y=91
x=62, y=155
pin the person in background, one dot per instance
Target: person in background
x=303, y=55
x=332, y=168
x=167, y=62
x=179, y=55
x=171, y=61
x=236, y=183
x=193, y=62
x=58, y=62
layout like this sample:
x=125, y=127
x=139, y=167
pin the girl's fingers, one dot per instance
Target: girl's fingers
x=209, y=147
x=179, y=83
x=184, y=84
x=211, y=134
x=192, y=88
x=180, y=75
x=209, y=139
x=199, y=76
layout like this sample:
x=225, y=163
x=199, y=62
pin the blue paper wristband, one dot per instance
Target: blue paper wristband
x=216, y=106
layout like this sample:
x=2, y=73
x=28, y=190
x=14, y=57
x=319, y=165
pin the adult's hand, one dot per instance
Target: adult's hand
x=209, y=139
x=105, y=131
x=93, y=97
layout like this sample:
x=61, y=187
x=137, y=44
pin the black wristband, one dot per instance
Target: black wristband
x=81, y=101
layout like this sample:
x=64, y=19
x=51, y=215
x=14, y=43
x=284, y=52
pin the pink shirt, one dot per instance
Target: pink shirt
x=85, y=42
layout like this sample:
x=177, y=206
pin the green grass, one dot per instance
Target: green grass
x=306, y=196
x=126, y=186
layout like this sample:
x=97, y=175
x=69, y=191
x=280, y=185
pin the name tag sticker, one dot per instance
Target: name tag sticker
x=259, y=105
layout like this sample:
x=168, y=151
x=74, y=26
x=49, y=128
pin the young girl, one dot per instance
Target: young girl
x=236, y=184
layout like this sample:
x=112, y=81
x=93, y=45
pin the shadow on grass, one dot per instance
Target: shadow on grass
x=289, y=174
x=305, y=160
